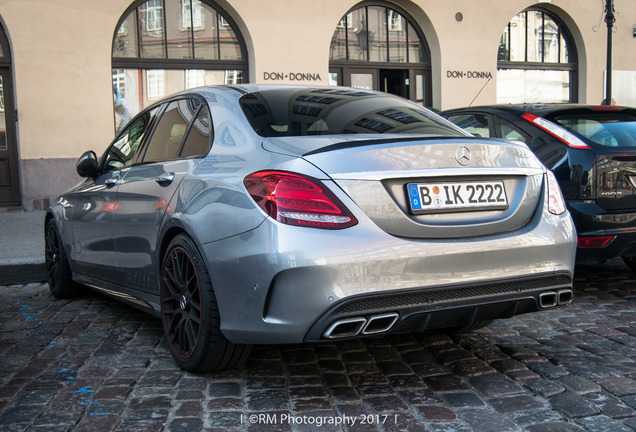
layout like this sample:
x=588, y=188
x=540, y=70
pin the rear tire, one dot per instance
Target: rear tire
x=58, y=269
x=190, y=314
x=630, y=261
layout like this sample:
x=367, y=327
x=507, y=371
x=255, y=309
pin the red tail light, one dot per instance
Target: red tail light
x=562, y=134
x=294, y=199
x=556, y=203
x=595, y=241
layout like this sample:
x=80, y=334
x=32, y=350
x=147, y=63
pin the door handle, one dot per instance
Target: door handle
x=165, y=179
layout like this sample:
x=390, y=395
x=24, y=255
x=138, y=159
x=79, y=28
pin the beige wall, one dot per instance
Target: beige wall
x=62, y=60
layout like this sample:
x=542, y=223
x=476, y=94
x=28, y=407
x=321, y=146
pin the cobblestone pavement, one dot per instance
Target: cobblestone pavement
x=93, y=364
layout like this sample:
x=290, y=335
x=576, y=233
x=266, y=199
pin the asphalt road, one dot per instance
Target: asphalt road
x=94, y=364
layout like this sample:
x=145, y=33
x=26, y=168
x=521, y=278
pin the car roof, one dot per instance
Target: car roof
x=254, y=88
x=539, y=109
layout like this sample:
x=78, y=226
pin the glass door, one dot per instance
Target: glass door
x=420, y=89
x=395, y=81
x=365, y=79
x=9, y=180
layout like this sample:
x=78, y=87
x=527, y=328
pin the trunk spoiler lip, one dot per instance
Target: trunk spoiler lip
x=370, y=142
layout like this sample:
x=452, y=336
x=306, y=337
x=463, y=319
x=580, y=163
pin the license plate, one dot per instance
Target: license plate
x=457, y=196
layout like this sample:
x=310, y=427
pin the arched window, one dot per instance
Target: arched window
x=9, y=178
x=536, y=61
x=377, y=46
x=164, y=46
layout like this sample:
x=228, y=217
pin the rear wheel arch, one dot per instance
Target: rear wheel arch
x=189, y=310
x=168, y=236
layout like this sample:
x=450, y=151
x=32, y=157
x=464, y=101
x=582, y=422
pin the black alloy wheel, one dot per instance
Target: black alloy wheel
x=181, y=302
x=189, y=312
x=58, y=269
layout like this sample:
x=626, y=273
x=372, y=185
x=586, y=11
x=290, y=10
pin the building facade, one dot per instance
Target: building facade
x=73, y=71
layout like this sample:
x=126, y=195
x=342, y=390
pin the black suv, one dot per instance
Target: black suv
x=592, y=152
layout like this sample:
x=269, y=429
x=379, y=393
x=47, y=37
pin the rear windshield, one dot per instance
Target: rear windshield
x=603, y=128
x=300, y=112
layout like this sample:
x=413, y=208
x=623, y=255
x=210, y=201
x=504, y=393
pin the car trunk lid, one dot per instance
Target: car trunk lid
x=610, y=131
x=615, y=180
x=380, y=175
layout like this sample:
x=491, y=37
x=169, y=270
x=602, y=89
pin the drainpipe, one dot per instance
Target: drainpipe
x=609, y=19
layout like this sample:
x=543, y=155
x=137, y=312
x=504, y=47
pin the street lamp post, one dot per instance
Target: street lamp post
x=609, y=19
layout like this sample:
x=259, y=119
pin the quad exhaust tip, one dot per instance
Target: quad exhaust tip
x=376, y=324
x=380, y=323
x=350, y=327
x=565, y=296
x=561, y=297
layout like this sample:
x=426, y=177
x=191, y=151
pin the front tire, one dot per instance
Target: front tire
x=190, y=314
x=58, y=269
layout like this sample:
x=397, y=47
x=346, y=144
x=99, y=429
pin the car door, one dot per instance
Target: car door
x=94, y=250
x=182, y=135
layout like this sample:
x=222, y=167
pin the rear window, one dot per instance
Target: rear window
x=603, y=128
x=301, y=112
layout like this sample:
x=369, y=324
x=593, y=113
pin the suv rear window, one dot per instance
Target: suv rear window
x=602, y=128
x=300, y=112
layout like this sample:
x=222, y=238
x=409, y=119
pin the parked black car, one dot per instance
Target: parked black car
x=592, y=152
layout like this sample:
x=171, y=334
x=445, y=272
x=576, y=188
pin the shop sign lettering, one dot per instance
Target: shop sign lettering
x=469, y=74
x=291, y=76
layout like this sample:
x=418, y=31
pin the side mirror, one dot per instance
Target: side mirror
x=87, y=165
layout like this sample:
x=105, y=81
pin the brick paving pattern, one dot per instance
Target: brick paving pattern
x=93, y=364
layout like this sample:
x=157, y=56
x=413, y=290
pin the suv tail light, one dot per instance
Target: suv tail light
x=556, y=203
x=299, y=200
x=562, y=134
x=595, y=241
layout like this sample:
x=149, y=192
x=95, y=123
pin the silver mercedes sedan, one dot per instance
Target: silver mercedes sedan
x=256, y=214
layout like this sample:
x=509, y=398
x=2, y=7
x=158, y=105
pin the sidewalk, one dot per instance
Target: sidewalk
x=21, y=247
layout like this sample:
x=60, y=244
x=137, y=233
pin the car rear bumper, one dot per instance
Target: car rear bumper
x=592, y=221
x=280, y=284
x=622, y=244
x=456, y=306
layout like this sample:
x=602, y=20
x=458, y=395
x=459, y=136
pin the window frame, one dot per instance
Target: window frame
x=1, y=98
x=564, y=38
x=104, y=159
x=192, y=17
x=345, y=67
x=130, y=57
x=139, y=62
x=157, y=12
x=163, y=105
x=345, y=23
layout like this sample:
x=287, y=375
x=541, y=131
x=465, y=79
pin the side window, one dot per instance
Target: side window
x=198, y=141
x=476, y=124
x=508, y=131
x=122, y=151
x=167, y=139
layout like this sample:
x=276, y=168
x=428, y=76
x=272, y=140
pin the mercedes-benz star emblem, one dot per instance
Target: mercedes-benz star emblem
x=462, y=155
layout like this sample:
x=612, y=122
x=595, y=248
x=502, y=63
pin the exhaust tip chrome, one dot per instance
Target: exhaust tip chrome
x=548, y=299
x=345, y=328
x=380, y=323
x=565, y=296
